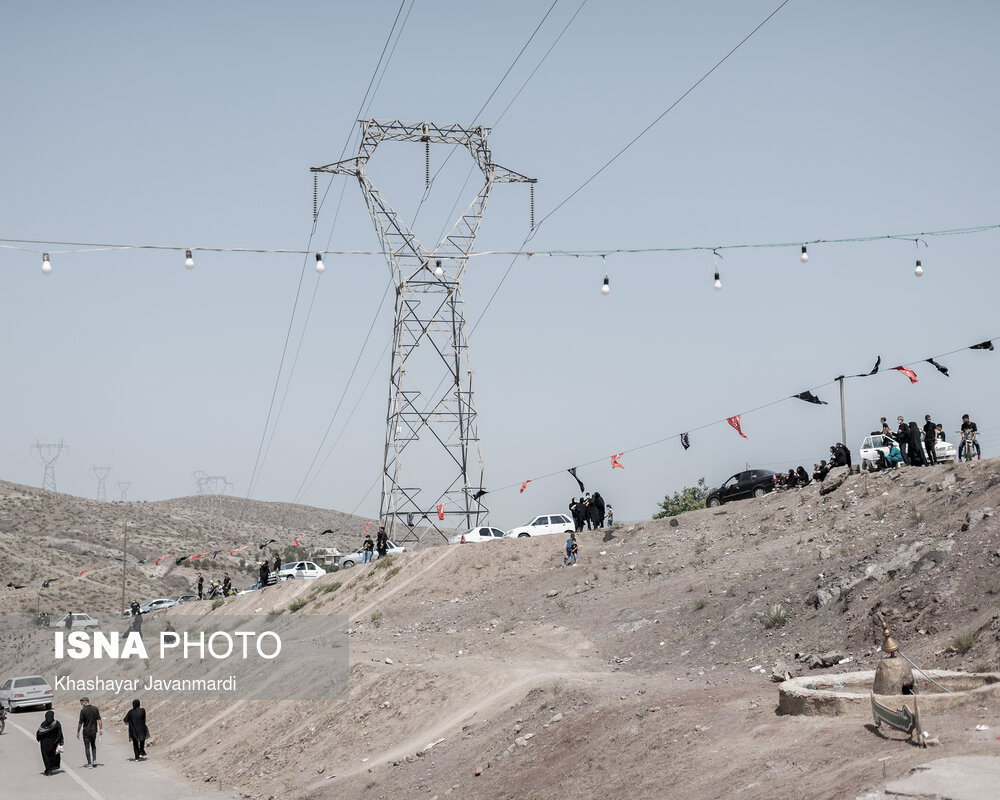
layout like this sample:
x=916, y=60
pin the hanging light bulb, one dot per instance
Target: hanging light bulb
x=718, y=283
x=319, y=264
x=805, y=255
x=438, y=269
x=188, y=259
x=606, y=288
x=919, y=271
x=46, y=264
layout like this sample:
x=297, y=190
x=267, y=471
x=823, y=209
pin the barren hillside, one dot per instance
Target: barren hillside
x=644, y=670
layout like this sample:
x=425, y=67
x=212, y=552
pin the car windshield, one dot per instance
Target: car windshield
x=34, y=680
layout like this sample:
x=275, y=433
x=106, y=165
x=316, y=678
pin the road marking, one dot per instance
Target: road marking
x=83, y=784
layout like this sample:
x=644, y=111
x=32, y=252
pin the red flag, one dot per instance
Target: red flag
x=615, y=462
x=441, y=511
x=909, y=373
x=82, y=571
x=200, y=555
x=303, y=536
x=524, y=485
x=368, y=525
x=157, y=562
x=234, y=552
x=735, y=422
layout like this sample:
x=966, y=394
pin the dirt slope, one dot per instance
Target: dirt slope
x=645, y=669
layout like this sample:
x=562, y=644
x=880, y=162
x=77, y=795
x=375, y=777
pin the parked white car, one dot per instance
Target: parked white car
x=26, y=690
x=539, y=526
x=876, y=443
x=476, y=535
x=358, y=556
x=156, y=605
x=81, y=622
x=300, y=570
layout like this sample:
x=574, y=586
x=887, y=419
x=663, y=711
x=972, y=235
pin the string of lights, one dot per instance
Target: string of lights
x=73, y=248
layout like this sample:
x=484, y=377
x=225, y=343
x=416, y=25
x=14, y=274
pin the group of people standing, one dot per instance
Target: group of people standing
x=592, y=511
x=380, y=545
x=50, y=734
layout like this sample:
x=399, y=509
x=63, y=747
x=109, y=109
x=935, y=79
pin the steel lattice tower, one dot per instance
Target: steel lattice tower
x=44, y=453
x=431, y=424
x=102, y=474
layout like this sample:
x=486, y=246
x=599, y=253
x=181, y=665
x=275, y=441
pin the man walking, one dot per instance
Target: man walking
x=92, y=726
x=201, y=587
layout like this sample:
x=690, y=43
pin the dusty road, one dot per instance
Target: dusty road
x=116, y=778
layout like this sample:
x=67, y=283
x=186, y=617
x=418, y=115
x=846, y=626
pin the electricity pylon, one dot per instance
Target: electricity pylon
x=123, y=488
x=102, y=473
x=431, y=423
x=45, y=452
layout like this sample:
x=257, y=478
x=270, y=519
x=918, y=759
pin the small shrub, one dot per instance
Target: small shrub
x=276, y=612
x=295, y=605
x=963, y=642
x=331, y=587
x=981, y=668
x=557, y=688
x=699, y=604
x=383, y=563
x=915, y=516
x=218, y=603
x=776, y=616
x=376, y=617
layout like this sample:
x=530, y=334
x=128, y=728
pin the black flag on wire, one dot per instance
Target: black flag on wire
x=878, y=362
x=809, y=397
x=938, y=367
x=987, y=345
x=572, y=471
x=685, y=441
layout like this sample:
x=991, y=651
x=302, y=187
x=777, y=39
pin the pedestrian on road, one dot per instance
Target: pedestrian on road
x=138, y=733
x=92, y=726
x=50, y=739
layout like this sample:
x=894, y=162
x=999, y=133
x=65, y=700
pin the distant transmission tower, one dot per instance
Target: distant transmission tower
x=49, y=453
x=123, y=488
x=199, y=481
x=431, y=422
x=102, y=473
x=216, y=485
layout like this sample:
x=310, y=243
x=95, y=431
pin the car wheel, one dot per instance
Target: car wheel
x=346, y=564
x=48, y=706
x=714, y=502
x=523, y=535
x=760, y=491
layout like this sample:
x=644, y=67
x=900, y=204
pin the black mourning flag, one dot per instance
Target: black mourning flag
x=878, y=362
x=262, y=545
x=215, y=553
x=479, y=494
x=181, y=560
x=572, y=471
x=987, y=345
x=685, y=441
x=942, y=370
x=143, y=560
x=809, y=397
x=46, y=583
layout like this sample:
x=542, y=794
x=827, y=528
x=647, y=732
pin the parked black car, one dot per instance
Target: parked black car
x=752, y=482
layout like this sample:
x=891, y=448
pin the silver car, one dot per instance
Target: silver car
x=80, y=622
x=476, y=535
x=26, y=690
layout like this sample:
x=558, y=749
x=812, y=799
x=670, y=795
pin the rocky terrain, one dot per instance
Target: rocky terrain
x=649, y=669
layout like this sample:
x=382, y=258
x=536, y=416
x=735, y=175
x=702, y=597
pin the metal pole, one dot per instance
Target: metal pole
x=843, y=414
x=124, y=560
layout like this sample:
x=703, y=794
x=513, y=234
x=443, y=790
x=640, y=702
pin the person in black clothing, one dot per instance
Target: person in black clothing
x=138, y=733
x=91, y=724
x=50, y=739
x=277, y=564
x=576, y=510
x=600, y=508
x=820, y=471
x=803, y=476
x=382, y=542
x=915, y=447
x=594, y=513
x=263, y=574
x=903, y=440
x=201, y=587
x=227, y=584
x=930, y=438
x=969, y=425
x=367, y=548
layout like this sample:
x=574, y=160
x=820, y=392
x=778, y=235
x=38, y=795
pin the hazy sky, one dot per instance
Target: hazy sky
x=195, y=124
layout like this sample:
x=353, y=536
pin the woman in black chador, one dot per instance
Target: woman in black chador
x=50, y=739
x=916, y=449
x=138, y=733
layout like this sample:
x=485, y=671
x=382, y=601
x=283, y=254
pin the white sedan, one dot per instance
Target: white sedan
x=28, y=690
x=300, y=570
x=476, y=535
x=81, y=622
x=539, y=526
x=156, y=605
x=358, y=557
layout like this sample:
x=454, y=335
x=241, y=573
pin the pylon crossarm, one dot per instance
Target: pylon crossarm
x=504, y=175
x=349, y=166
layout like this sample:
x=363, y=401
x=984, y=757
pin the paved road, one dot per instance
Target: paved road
x=116, y=777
